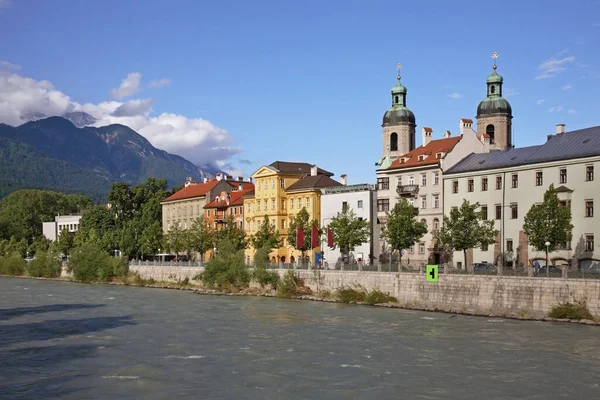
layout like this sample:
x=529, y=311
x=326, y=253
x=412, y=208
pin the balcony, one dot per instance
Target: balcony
x=407, y=190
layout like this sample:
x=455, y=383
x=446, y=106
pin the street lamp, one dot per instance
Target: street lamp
x=547, y=266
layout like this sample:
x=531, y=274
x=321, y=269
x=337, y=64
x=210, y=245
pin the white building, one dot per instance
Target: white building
x=359, y=198
x=52, y=230
x=507, y=183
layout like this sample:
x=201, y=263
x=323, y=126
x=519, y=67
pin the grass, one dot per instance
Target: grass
x=360, y=295
x=575, y=311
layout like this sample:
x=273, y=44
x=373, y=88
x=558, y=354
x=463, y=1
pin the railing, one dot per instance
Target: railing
x=411, y=190
x=167, y=263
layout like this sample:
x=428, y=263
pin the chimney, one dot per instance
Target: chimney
x=344, y=179
x=465, y=123
x=206, y=180
x=313, y=170
x=219, y=176
x=240, y=186
x=240, y=179
x=250, y=180
x=426, y=132
x=447, y=134
x=560, y=128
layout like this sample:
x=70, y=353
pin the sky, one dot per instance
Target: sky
x=241, y=84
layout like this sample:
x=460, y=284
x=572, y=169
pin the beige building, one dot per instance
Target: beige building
x=507, y=183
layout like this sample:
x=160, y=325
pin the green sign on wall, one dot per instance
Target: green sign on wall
x=432, y=273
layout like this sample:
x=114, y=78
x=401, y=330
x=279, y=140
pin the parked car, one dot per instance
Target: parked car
x=484, y=267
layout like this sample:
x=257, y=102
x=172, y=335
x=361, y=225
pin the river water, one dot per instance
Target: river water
x=75, y=341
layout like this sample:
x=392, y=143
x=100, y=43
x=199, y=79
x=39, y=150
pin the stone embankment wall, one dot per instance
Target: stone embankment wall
x=487, y=295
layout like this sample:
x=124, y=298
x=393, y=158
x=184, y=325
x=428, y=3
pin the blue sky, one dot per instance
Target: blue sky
x=311, y=80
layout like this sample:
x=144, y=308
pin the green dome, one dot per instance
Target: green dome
x=494, y=105
x=494, y=78
x=398, y=114
x=398, y=89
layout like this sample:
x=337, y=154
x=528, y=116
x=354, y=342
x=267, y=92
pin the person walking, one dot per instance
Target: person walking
x=536, y=268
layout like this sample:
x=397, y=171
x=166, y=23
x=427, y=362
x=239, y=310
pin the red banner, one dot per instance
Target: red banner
x=329, y=237
x=299, y=238
x=315, y=237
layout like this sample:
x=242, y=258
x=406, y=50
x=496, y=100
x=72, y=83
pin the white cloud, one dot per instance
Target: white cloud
x=158, y=83
x=455, y=95
x=510, y=92
x=571, y=111
x=8, y=65
x=196, y=139
x=555, y=109
x=129, y=86
x=540, y=101
x=567, y=87
x=553, y=66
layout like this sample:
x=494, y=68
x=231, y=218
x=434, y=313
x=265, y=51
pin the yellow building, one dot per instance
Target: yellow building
x=281, y=190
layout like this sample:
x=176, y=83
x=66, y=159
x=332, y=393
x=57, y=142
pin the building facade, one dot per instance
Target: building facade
x=228, y=204
x=281, y=190
x=508, y=183
x=52, y=230
x=362, y=200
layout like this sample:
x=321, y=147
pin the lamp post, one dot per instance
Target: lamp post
x=547, y=266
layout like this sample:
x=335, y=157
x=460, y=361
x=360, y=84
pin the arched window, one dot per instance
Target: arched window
x=492, y=89
x=490, y=131
x=436, y=224
x=394, y=142
x=396, y=99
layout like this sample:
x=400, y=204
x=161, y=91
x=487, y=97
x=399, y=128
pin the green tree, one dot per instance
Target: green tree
x=64, y=243
x=121, y=202
x=466, y=228
x=175, y=239
x=401, y=229
x=267, y=236
x=226, y=270
x=202, y=236
x=231, y=232
x=548, y=222
x=97, y=218
x=301, y=220
x=152, y=238
x=349, y=231
x=128, y=238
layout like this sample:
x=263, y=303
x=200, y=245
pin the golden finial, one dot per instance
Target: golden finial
x=398, y=67
x=494, y=56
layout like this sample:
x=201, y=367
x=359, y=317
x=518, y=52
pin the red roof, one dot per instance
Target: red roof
x=234, y=200
x=435, y=146
x=467, y=120
x=191, y=191
x=427, y=129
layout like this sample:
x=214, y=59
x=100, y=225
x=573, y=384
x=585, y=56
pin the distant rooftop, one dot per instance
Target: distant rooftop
x=348, y=188
x=565, y=146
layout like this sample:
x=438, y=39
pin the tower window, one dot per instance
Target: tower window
x=492, y=89
x=394, y=142
x=490, y=131
x=396, y=99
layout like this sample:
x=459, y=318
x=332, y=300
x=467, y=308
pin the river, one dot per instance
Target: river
x=76, y=341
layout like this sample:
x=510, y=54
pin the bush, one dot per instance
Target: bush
x=265, y=277
x=13, y=265
x=90, y=263
x=45, y=265
x=576, y=311
x=261, y=257
x=227, y=269
x=347, y=294
x=378, y=297
x=291, y=286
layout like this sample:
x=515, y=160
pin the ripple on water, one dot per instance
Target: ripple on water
x=192, y=357
x=132, y=377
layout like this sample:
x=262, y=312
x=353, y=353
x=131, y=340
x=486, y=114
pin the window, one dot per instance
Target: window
x=248, y=208
x=399, y=180
x=422, y=247
x=563, y=175
x=454, y=186
x=360, y=203
x=208, y=213
x=411, y=249
x=436, y=224
x=344, y=206
x=589, y=208
x=515, y=181
x=484, y=184
x=589, y=173
x=514, y=211
x=308, y=202
x=283, y=204
x=273, y=223
x=411, y=201
x=498, y=211
x=273, y=204
x=383, y=183
x=539, y=178
x=283, y=224
x=282, y=183
x=436, y=201
x=484, y=212
x=258, y=205
x=394, y=141
x=383, y=204
x=484, y=247
x=509, y=245
x=423, y=201
x=470, y=185
x=411, y=180
x=490, y=131
x=258, y=186
x=436, y=178
x=498, y=182
x=564, y=203
x=423, y=179
x=589, y=242
x=266, y=204
x=292, y=204
x=272, y=183
x=259, y=225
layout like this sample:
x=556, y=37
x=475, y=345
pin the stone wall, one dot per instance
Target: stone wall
x=485, y=295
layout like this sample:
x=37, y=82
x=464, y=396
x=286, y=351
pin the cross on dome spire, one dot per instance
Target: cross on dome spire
x=398, y=67
x=495, y=56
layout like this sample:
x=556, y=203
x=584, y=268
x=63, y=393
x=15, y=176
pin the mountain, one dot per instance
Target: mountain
x=58, y=155
x=80, y=118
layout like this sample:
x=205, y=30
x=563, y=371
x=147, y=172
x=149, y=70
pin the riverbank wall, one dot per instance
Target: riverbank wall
x=471, y=294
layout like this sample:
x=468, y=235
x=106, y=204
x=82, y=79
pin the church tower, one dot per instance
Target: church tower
x=398, y=124
x=494, y=113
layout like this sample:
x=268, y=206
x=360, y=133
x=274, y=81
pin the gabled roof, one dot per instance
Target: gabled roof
x=564, y=146
x=198, y=190
x=313, y=182
x=430, y=150
x=296, y=168
x=235, y=199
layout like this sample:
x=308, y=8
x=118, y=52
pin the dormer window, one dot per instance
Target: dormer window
x=422, y=157
x=439, y=155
